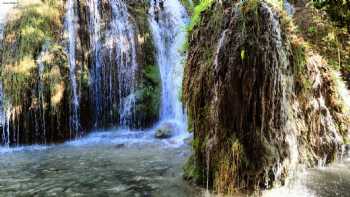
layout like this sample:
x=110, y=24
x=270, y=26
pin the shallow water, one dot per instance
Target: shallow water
x=88, y=167
x=330, y=181
x=130, y=163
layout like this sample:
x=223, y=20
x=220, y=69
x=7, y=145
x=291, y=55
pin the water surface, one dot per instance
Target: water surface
x=103, y=164
x=129, y=163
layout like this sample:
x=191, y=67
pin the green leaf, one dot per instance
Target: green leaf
x=242, y=54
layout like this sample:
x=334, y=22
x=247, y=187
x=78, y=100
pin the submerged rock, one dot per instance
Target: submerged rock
x=166, y=130
x=118, y=146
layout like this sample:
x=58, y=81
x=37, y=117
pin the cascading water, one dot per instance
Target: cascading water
x=167, y=18
x=122, y=34
x=290, y=9
x=6, y=6
x=40, y=125
x=4, y=118
x=94, y=29
x=113, y=74
x=2, y=115
x=74, y=118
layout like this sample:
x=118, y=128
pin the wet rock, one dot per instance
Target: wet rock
x=189, y=140
x=347, y=149
x=247, y=119
x=165, y=131
x=118, y=146
x=237, y=105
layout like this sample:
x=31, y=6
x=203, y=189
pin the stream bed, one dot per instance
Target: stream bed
x=102, y=164
x=129, y=163
x=330, y=181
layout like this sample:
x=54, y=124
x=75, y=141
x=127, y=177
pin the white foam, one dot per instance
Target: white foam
x=5, y=150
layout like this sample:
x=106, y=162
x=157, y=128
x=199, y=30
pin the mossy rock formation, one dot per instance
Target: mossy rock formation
x=39, y=101
x=253, y=115
x=36, y=116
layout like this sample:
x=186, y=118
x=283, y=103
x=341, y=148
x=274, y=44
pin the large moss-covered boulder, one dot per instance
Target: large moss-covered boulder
x=258, y=101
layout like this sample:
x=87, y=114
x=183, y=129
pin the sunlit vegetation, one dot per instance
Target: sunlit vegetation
x=33, y=25
x=149, y=93
x=338, y=11
x=324, y=36
x=188, y=5
x=198, y=9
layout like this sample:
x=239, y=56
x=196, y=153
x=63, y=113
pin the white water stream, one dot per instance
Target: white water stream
x=71, y=25
x=168, y=20
x=5, y=8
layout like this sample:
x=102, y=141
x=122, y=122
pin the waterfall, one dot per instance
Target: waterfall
x=290, y=9
x=94, y=30
x=4, y=119
x=71, y=21
x=113, y=73
x=41, y=97
x=2, y=115
x=122, y=33
x=167, y=21
x=5, y=114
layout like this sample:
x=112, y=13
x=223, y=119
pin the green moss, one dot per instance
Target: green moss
x=30, y=28
x=190, y=126
x=249, y=10
x=197, y=9
x=229, y=167
x=149, y=93
x=299, y=59
x=152, y=74
x=188, y=5
x=299, y=67
x=199, y=112
x=191, y=171
x=249, y=5
x=196, y=17
x=347, y=140
x=195, y=144
x=148, y=90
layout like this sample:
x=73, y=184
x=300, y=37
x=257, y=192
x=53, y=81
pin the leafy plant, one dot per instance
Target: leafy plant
x=312, y=30
x=338, y=10
x=196, y=17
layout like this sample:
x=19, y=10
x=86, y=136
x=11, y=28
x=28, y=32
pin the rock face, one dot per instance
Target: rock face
x=34, y=75
x=35, y=72
x=243, y=95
